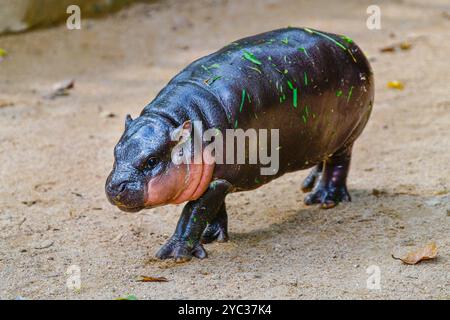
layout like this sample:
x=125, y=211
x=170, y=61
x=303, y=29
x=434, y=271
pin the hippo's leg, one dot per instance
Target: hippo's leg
x=313, y=177
x=217, y=229
x=196, y=215
x=332, y=185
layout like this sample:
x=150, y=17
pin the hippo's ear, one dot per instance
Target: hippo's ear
x=128, y=120
x=182, y=133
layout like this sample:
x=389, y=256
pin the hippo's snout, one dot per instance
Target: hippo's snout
x=126, y=195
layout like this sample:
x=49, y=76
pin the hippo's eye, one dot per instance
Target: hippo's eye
x=151, y=162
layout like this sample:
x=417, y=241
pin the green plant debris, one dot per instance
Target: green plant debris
x=327, y=37
x=351, y=54
x=242, y=100
x=308, y=30
x=304, y=51
x=294, y=98
x=304, y=118
x=347, y=39
x=350, y=94
x=290, y=85
x=338, y=93
x=285, y=40
x=235, y=124
x=305, y=78
x=294, y=93
x=285, y=71
x=269, y=58
x=257, y=180
x=130, y=297
x=213, y=66
x=210, y=81
x=306, y=111
x=250, y=57
x=3, y=53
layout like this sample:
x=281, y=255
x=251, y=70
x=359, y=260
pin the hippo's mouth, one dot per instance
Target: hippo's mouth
x=180, y=183
x=130, y=209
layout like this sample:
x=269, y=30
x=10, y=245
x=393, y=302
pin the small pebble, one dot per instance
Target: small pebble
x=44, y=244
x=107, y=114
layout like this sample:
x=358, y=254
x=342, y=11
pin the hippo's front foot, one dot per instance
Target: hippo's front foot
x=181, y=250
x=332, y=185
x=217, y=230
x=204, y=218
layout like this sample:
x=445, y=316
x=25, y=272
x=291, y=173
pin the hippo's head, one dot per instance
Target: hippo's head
x=144, y=174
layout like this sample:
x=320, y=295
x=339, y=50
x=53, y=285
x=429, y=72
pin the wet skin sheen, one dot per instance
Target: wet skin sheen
x=315, y=87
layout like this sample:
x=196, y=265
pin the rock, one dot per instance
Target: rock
x=60, y=89
x=44, y=244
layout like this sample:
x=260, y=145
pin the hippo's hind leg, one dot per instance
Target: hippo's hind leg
x=196, y=216
x=312, y=179
x=332, y=185
x=217, y=230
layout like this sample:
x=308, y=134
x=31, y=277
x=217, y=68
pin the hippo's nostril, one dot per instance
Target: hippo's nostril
x=114, y=190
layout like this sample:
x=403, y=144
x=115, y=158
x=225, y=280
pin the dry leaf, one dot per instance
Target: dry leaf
x=426, y=253
x=395, y=85
x=388, y=49
x=4, y=104
x=152, y=279
x=405, y=45
x=3, y=54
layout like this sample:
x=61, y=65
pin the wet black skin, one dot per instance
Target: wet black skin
x=334, y=101
x=142, y=152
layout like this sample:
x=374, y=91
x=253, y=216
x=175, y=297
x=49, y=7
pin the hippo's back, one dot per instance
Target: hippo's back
x=315, y=87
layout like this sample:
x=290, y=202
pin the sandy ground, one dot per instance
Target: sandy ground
x=56, y=154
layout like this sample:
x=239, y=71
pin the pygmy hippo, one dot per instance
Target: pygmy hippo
x=313, y=89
